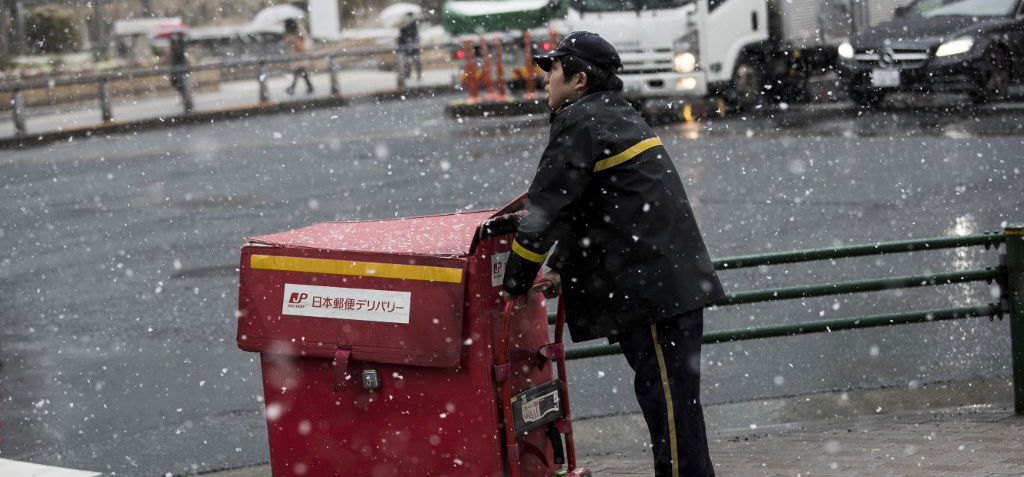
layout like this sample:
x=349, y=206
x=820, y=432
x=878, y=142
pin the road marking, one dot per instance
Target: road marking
x=12, y=468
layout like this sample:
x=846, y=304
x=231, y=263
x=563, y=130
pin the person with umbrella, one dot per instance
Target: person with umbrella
x=294, y=41
x=409, y=47
x=179, y=62
x=176, y=35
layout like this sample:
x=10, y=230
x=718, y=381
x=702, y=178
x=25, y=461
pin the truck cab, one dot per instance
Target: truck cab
x=655, y=40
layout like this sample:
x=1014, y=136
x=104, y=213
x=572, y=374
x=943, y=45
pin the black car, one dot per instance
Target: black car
x=974, y=47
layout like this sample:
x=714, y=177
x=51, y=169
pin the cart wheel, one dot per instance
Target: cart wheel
x=867, y=99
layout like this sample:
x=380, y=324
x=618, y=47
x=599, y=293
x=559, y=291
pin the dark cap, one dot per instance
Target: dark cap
x=586, y=45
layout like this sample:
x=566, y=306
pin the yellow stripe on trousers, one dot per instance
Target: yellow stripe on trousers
x=668, y=402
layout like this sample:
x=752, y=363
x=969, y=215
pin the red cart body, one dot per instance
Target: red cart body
x=414, y=302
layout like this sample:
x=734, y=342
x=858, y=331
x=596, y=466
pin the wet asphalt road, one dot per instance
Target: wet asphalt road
x=118, y=279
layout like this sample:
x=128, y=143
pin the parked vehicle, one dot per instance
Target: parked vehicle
x=753, y=52
x=974, y=47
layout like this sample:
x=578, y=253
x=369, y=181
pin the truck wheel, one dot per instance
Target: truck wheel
x=747, y=91
x=993, y=78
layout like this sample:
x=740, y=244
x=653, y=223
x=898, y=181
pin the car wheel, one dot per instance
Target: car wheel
x=748, y=85
x=993, y=78
x=867, y=99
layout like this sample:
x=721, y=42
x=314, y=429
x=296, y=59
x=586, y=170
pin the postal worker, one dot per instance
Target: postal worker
x=630, y=262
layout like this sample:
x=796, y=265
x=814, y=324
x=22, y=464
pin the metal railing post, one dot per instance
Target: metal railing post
x=332, y=71
x=108, y=115
x=1015, y=298
x=262, y=77
x=18, y=106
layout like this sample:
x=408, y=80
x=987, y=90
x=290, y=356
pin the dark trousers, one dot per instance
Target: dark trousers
x=300, y=72
x=666, y=359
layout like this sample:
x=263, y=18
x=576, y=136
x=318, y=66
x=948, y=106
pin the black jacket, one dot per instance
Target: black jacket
x=629, y=250
x=409, y=35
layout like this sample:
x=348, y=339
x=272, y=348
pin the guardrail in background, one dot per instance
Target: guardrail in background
x=103, y=80
x=1009, y=275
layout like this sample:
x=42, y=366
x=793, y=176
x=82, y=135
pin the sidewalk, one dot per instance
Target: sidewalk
x=231, y=95
x=910, y=432
x=964, y=442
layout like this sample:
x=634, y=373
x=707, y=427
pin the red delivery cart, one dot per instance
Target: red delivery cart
x=386, y=351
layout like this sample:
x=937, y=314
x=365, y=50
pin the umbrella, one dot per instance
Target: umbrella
x=398, y=14
x=167, y=30
x=271, y=19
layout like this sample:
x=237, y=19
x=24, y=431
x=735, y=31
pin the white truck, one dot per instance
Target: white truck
x=748, y=51
x=645, y=32
x=650, y=36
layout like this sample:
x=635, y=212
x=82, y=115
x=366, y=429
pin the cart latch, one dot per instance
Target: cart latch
x=341, y=376
x=552, y=351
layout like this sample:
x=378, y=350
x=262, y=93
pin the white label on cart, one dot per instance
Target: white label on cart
x=498, y=262
x=346, y=303
x=540, y=406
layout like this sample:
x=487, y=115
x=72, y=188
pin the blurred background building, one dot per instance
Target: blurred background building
x=110, y=28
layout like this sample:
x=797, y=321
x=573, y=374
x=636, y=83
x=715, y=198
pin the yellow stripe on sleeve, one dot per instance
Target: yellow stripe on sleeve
x=527, y=253
x=628, y=154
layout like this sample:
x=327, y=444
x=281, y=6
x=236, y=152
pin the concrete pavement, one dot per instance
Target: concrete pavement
x=12, y=468
x=939, y=430
x=971, y=441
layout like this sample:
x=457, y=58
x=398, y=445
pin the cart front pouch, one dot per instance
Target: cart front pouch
x=536, y=407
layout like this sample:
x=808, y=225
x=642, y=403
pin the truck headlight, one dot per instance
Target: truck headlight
x=686, y=49
x=845, y=50
x=684, y=62
x=955, y=47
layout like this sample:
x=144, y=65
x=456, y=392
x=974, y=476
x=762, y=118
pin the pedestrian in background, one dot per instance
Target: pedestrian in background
x=179, y=61
x=409, y=47
x=630, y=260
x=294, y=41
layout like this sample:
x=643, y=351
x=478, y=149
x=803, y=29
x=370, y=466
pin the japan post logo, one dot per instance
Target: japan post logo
x=498, y=263
x=297, y=297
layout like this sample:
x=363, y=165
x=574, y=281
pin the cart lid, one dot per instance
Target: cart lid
x=446, y=235
x=449, y=235
x=387, y=291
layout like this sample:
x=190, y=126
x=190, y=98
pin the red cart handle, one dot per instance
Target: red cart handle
x=506, y=320
x=503, y=375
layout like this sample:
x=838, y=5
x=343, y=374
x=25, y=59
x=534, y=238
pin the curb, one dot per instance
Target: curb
x=462, y=108
x=258, y=109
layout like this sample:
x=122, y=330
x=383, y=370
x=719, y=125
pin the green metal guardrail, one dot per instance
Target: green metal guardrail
x=1009, y=275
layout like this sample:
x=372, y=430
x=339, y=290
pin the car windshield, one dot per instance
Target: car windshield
x=625, y=5
x=937, y=8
